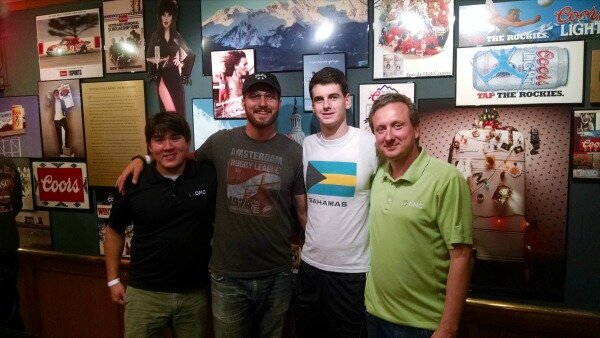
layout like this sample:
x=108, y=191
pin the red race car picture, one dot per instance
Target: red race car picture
x=69, y=45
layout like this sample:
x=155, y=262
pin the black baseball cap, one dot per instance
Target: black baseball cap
x=266, y=78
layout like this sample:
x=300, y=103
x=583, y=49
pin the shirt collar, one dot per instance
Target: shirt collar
x=187, y=172
x=414, y=172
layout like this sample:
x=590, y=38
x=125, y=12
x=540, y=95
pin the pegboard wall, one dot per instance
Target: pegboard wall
x=547, y=172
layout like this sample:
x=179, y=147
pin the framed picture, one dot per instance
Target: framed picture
x=526, y=74
x=509, y=22
x=586, y=144
x=312, y=63
x=104, y=200
x=60, y=185
x=229, y=70
x=34, y=229
x=413, y=39
x=368, y=93
x=69, y=45
x=204, y=122
x=124, y=36
x=20, y=134
x=595, y=77
x=24, y=168
x=61, y=118
x=280, y=38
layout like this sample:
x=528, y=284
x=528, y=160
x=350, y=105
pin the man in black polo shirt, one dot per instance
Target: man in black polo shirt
x=172, y=209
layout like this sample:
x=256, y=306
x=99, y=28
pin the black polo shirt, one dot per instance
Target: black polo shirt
x=172, y=222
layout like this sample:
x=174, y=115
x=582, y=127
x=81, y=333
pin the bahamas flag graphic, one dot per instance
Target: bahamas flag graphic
x=331, y=178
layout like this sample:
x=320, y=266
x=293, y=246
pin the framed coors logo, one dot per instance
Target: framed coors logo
x=60, y=185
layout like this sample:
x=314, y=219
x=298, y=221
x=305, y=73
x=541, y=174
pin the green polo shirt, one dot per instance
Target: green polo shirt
x=414, y=222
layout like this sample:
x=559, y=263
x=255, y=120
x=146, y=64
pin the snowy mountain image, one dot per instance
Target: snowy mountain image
x=281, y=31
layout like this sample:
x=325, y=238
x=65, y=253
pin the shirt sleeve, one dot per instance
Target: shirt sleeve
x=120, y=217
x=455, y=216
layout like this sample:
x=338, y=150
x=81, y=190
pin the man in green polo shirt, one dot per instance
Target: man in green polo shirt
x=420, y=232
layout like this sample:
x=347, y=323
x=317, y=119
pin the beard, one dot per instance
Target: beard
x=262, y=123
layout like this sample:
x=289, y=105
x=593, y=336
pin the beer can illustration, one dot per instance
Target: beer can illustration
x=517, y=68
x=388, y=65
x=18, y=117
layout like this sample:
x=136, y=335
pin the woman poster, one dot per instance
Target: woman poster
x=170, y=59
x=230, y=69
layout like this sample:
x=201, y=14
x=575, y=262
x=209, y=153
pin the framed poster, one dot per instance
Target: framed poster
x=312, y=63
x=24, y=168
x=586, y=144
x=204, y=122
x=511, y=22
x=370, y=92
x=123, y=36
x=229, y=69
x=34, y=229
x=105, y=198
x=595, y=77
x=20, y=134
x=542, y=73
x=115, y=118
x=413, y=39
x=60, y=185
x=280, y=38
x=61, y=118
x=69, y=45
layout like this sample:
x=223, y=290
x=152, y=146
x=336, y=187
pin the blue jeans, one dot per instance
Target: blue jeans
x=379, y=328
x=244, y=305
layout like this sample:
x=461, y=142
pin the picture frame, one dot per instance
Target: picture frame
x=229, y=69
x=368, y=93
x=280, y=40
x=585, y=149
x=205, y=124
x=525, y=21
x=523, y=74
x=104, y=200
x=60, y=185
x=25, y=140
x=312, y=63
x=61, y=123
x=124, y=42
x=413, y=40
x=595, y=77
x=23, y=165
x=69, y=45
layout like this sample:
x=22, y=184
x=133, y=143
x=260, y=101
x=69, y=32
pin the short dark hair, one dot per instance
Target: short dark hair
x=326, y=76
x=388, y=98
x=164, y=123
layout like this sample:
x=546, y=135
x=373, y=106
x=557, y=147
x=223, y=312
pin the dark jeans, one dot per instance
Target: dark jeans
x=9, y=297
x=329, y=304
x=62, y=123
x=379, y=328
x=244, y=305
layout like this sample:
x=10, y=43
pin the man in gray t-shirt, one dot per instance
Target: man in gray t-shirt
x=259, y=176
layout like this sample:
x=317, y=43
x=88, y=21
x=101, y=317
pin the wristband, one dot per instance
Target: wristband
x=113, y=282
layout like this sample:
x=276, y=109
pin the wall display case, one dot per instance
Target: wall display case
x=281, y=32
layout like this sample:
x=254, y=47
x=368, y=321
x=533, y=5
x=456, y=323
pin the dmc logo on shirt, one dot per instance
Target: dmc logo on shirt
x=412, y=204
x=331, y=178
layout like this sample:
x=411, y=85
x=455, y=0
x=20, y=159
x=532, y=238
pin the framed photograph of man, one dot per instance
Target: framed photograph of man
x=229, y=70
x=279, y=37
x=312, y=63
x=60, y=185
x=61, y=118
x=20, y=134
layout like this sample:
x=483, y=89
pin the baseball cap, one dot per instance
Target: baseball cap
x=266, y=78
